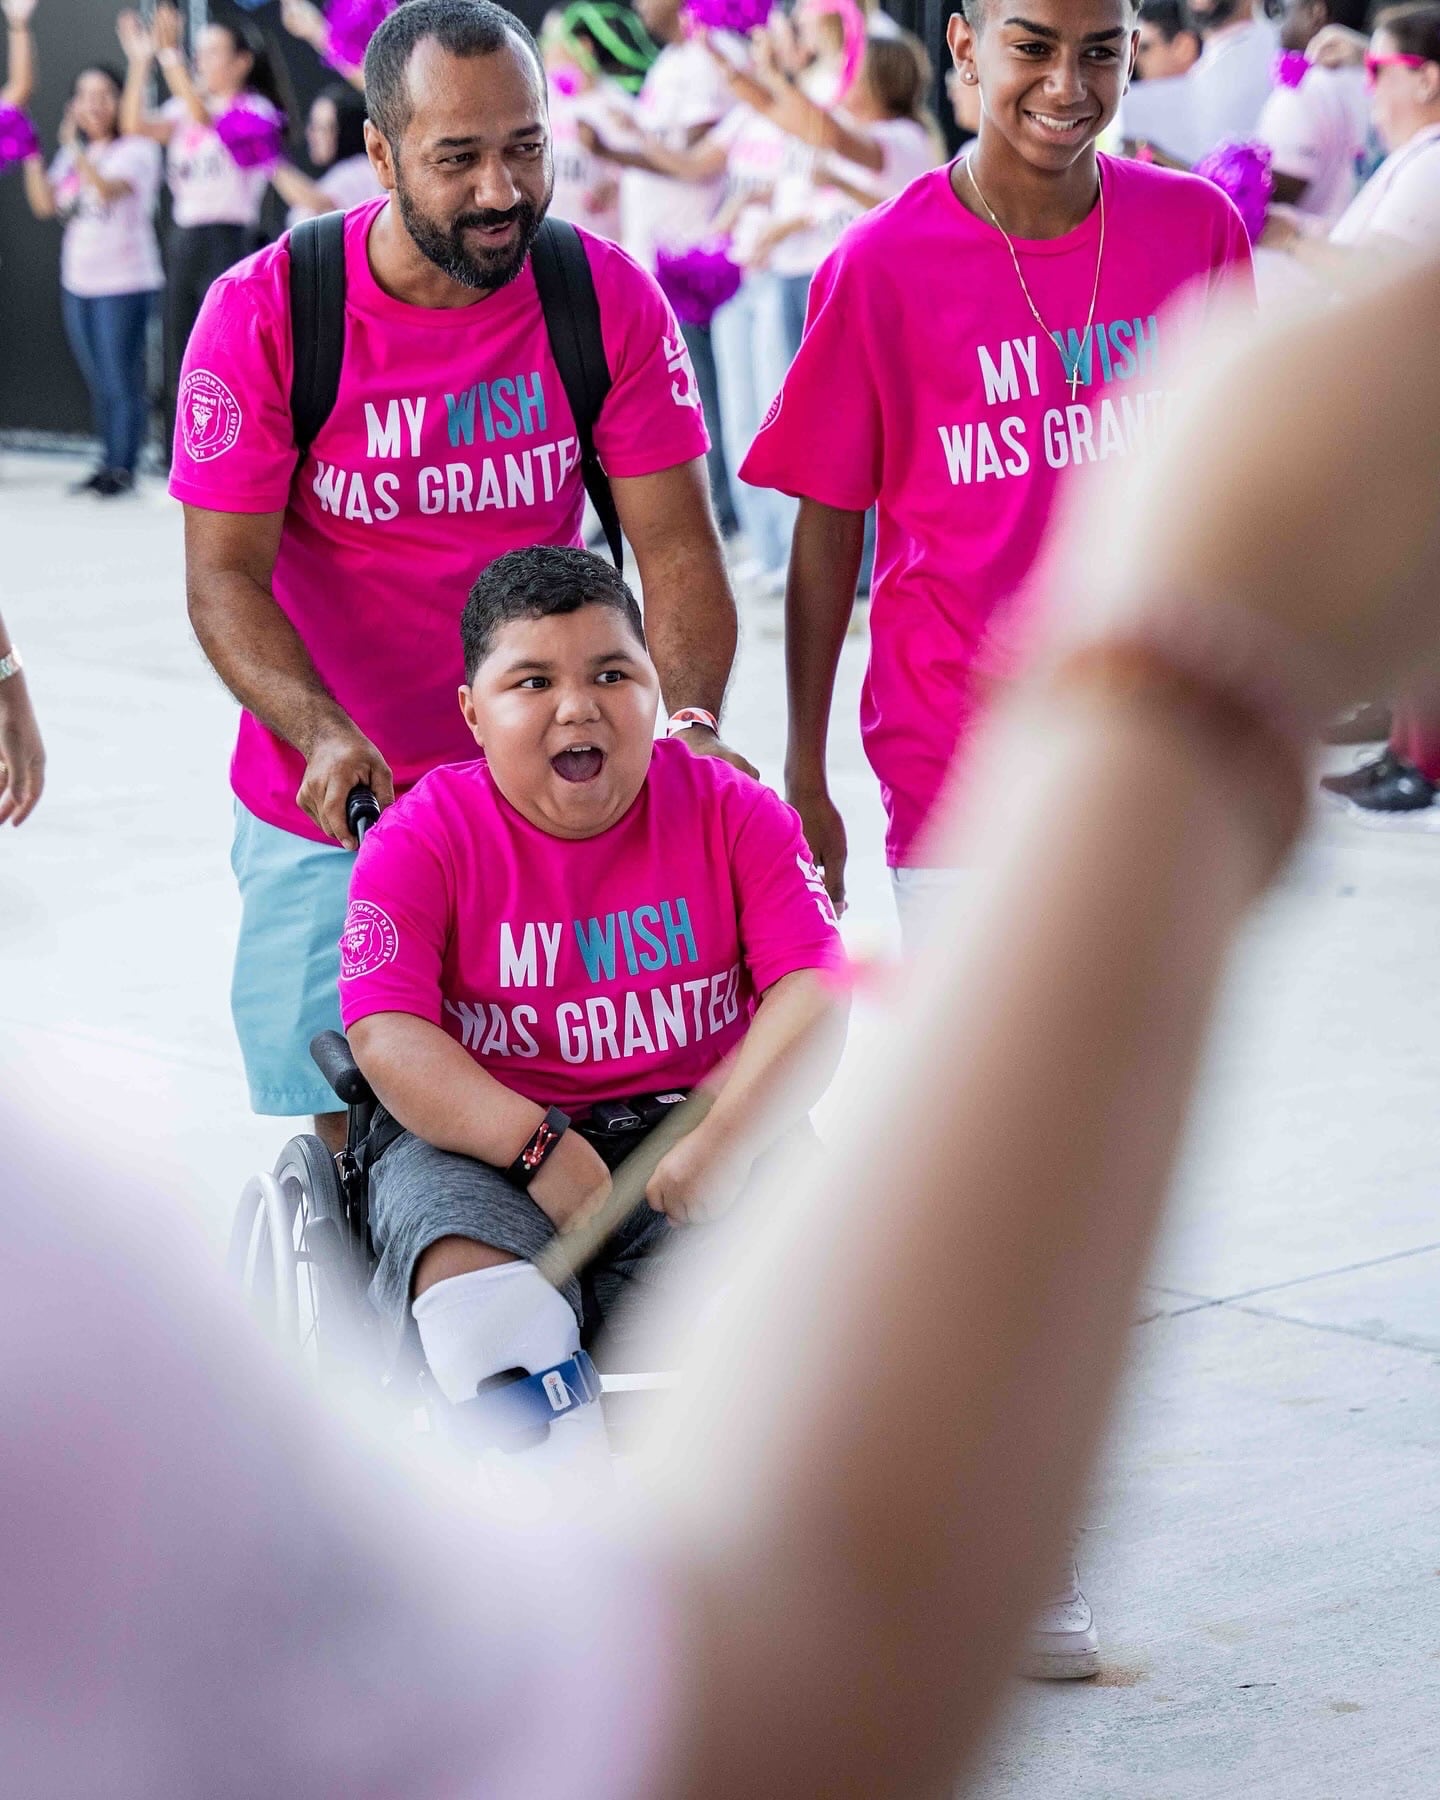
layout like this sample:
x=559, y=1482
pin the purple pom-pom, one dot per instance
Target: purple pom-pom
x=566, y=82
x=1290, y=68
x=739, y=16
x=252, y=138
x=352, y=25
x=1242, y=170
x=697, y=282
x=18, y=136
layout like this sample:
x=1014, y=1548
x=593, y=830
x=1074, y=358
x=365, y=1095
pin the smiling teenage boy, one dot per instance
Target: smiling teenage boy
x=1001, y=322
x=582, y=916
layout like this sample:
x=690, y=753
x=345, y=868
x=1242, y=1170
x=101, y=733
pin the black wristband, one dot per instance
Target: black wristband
x=540, y=1148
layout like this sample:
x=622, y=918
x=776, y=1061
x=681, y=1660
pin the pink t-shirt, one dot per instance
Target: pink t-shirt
x=207, y=185
x=109, y=246
x=451, y=442
x=924, y=384
x=577, y=971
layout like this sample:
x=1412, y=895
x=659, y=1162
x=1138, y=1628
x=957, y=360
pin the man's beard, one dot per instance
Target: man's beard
x=483, y=270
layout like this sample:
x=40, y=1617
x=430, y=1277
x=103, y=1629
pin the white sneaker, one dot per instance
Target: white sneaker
x=1063, y=1644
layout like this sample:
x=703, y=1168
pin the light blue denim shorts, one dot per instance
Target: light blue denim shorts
x=293, y=894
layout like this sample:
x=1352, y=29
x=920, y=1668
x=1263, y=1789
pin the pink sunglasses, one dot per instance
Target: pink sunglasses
x=1374, y=64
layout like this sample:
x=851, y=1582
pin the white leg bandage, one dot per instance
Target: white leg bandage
x=489, y=1321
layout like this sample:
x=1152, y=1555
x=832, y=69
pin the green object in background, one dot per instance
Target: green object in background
x=609, y=40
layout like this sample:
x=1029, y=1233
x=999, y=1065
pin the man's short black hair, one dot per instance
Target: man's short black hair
x=540, y=583
x=975, y=10
x=461, y=27
x=1171, y=18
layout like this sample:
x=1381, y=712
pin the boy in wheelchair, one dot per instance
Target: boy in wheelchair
x=548, y=943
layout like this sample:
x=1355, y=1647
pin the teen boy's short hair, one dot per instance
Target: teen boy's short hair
x=540, y=583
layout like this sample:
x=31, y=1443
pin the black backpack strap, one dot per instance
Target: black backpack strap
x=317, y=323
x=572, y=323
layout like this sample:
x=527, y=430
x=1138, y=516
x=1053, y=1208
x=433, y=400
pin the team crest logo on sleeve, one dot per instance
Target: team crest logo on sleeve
x=210, y=416
x=369, y=940
x=683, y=390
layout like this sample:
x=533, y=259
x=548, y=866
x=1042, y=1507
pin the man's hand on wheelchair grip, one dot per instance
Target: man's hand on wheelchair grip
x=340, y=758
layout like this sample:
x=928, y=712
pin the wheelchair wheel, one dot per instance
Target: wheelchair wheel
x=298, y=1263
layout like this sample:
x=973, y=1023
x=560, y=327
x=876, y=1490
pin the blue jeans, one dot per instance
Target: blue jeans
x=751, y=357
x=107, y=340
x=702, y=359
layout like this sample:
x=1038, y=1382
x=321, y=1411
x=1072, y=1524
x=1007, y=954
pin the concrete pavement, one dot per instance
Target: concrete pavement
x=1264, y=1549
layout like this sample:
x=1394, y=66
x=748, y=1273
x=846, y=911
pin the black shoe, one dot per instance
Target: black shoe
x=89, y=484
x=1365, y=775
x=1404, y=789
x=110, y=483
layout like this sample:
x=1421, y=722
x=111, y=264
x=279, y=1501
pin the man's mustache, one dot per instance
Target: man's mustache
x=490, y=217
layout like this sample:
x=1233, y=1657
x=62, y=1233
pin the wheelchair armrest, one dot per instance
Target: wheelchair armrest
x=332, y=1056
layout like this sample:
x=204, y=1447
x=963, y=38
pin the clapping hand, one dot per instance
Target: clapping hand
x=136, y=38
x=18, y=12
x=169, y=27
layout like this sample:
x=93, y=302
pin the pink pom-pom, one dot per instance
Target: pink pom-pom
x=566, y=82
x=1290, y=68
x=1242, y=170
x=697, y=282
x=18, y=136
x=739, y=16
x=252, y=138
x=352, y=25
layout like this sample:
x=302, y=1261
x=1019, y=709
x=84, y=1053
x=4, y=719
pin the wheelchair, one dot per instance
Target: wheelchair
x=302, y=1254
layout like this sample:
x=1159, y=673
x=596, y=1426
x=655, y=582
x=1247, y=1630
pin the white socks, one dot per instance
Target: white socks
x=509, y=1317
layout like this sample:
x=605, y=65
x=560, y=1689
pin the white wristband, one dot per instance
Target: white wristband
x=687, y=716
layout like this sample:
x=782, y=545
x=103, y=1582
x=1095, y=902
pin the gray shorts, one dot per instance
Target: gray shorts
x=419, y=1194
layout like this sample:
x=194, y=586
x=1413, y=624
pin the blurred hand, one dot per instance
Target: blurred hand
x=683, y=1185
x=305, y=21
x=1338, y=47
x=22, y=755
x=69, y=133
x=1339, y=544
x=169, y=27
x=825, y=834
x=135, y=37
x=573, y=1184
x=19, y=12
x=341, y=758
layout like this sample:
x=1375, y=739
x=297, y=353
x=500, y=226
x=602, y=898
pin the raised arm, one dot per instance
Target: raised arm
x=138, y=43
x=255, y=650
x=19, y=53
x=702, y=161
x=170, y=54
x=690, y=620
x=860, y=1568
x=300, y=191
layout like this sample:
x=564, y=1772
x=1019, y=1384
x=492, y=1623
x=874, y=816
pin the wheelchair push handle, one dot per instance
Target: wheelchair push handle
x=362, y=810
x=336, y=1062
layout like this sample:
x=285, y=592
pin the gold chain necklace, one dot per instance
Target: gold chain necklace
x=1024, y=288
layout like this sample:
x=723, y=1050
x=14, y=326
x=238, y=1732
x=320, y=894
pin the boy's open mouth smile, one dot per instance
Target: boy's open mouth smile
x=580, y=763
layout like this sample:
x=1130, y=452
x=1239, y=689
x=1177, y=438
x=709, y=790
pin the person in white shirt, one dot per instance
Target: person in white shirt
x=683, y=97
x=1169, y=41
x=1156, y=110
x=1317, y=132
x=1233, y=78
x=335, y=141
